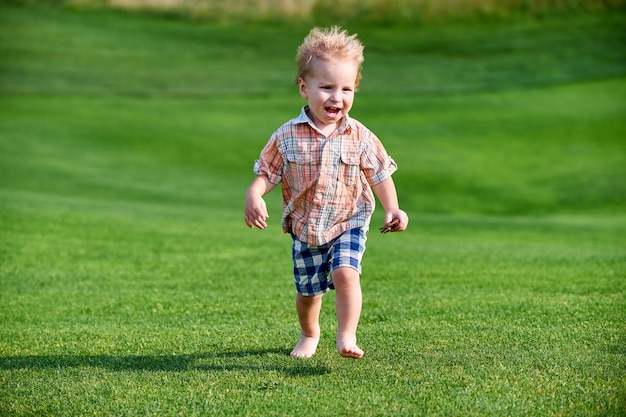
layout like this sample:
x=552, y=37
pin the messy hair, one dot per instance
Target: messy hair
x=328, y=43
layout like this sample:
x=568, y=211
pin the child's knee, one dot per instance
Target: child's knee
x=345, y=273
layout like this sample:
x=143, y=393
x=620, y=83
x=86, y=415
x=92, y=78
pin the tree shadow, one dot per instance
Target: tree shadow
x=246, y=360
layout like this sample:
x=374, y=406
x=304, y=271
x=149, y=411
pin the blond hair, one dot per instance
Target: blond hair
x=325, y=44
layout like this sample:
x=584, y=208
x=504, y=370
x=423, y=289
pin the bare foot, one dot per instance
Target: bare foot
x=349, y=350
x=306, y=347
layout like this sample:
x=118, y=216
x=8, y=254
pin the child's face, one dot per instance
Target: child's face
x=329, y=91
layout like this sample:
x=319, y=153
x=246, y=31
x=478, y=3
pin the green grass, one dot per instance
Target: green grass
x=129, y=284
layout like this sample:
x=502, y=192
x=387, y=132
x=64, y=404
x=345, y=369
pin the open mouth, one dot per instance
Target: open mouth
x=333, y=111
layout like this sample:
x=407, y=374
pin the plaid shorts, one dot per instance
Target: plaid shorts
x=313, y=265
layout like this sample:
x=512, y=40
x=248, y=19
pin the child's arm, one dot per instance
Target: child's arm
x=386, y=193
x=256, y=210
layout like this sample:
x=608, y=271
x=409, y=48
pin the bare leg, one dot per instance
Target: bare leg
x=308, y=314
x=348, y=302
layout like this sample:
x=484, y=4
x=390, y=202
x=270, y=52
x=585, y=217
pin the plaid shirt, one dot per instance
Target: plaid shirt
x=325, y=181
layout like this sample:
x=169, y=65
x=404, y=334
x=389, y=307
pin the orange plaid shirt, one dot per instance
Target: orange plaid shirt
x=326, y=182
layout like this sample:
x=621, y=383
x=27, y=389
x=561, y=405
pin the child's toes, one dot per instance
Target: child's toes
x=351, y=352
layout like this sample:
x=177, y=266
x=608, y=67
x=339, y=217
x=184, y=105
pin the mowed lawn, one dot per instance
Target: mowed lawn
x=130, y=285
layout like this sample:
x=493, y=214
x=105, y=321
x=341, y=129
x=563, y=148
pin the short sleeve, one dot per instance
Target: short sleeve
x=376, y=164
x=270, y=163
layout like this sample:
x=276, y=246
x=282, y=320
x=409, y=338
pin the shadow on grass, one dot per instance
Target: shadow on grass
x=247, y=360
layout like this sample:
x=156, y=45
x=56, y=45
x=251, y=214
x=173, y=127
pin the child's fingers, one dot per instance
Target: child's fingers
x=401, y=223
x=256, y=214
x=256, y=220
x=260, y=223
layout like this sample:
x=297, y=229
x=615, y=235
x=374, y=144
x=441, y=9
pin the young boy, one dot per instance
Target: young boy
x=328, y=164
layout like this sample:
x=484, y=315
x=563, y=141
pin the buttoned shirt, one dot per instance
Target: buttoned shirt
x=326, y=181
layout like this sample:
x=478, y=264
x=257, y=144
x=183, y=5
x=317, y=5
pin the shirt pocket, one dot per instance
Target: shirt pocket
x=299, y=170
x=349, y=168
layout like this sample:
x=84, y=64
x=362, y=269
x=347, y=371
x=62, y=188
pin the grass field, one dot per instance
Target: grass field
x=129, y=284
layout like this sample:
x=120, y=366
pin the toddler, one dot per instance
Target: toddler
x=328, y=164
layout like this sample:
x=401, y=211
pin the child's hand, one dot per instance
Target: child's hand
x=256, y=212
x=395, y=221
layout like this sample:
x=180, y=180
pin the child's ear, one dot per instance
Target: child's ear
x=302, y=88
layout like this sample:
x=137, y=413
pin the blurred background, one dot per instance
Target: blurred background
x=507, y=107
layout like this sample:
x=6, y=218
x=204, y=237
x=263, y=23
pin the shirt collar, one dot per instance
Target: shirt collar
x=346, y=123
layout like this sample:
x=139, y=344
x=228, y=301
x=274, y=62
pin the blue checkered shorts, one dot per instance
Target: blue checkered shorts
x=313, y=265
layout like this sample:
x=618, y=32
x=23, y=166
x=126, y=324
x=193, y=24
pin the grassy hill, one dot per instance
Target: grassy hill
x=521, y=117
